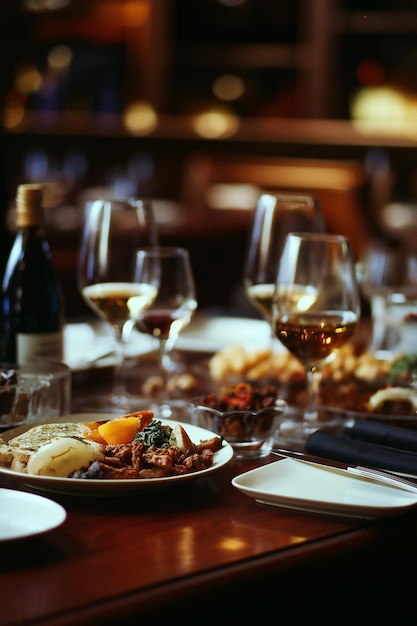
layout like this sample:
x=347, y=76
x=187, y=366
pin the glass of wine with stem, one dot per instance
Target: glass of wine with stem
x=113, y=231
x=168, y=270
x=316, y=310
x=274, y=217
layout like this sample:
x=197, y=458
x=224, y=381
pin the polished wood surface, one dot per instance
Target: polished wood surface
x=198, y=552
x=199, y=545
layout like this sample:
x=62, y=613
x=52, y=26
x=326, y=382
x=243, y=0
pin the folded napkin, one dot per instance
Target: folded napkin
x=343, y=448
x=383, y=434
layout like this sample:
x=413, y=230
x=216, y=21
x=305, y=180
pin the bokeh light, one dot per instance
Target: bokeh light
x=228, y=87
x=386, y=108
x=59, y=58
x=140, y=118
x=215, y=124
x=28, y=79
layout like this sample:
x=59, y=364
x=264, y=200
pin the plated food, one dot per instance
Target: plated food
x=50, y=450
x=237, y=361
x=246, y=415
x=355, y=383
x=133, y=446
x=241, y=413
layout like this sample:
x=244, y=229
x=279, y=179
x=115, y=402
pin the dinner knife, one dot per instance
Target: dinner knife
x=318, y=460
x=384, y=477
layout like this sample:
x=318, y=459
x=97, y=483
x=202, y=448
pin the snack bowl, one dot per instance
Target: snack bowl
x=249, y=430
x=39, y=390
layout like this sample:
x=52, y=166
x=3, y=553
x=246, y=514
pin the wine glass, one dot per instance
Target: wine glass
x=168, y=270
x=388, y=278
x=274, y=217
x=113, y=231
x=316, y=308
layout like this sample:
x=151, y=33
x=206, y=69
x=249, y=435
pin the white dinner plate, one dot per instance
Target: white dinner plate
x=102, y=487
x=87, y=345
x=27, y=514
x=93, y=344
x=210, y=334
x=292, y=484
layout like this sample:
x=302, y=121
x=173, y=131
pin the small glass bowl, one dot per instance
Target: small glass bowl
x=38, y=391
x=250, y=433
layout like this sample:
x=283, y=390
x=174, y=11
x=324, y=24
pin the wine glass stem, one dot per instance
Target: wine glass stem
x=164, y=363
x=120, y=366
x=314, y=376
x=273, y=340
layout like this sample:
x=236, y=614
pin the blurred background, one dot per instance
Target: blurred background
x=201, y=104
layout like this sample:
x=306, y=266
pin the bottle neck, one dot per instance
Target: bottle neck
x=34, y=231
x=29, y=206
x=29, y=221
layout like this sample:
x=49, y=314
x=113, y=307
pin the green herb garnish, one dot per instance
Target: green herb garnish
x=403, y=367
x=155, y=434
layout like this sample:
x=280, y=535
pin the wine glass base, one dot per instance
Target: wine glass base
x=111, y=404
x=294, y=431
x=178, y=410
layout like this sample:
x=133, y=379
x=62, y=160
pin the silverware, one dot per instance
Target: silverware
x=303, y=456
x=385, y=477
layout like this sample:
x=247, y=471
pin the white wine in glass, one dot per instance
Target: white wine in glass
x=113, y=231
x=316, y=308
x=275, y=216
x=168, y=269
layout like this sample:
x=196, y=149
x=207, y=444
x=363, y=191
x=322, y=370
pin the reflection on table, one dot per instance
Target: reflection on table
x=201, y=550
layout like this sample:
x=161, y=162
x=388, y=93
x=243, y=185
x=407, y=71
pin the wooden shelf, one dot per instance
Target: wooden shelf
x=156, y=52
x=250, y=130
x=240, y=56
x=377, y=22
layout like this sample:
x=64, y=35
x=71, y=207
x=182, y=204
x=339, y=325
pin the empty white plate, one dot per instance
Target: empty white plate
x=94, y=344
x=293, y=484
x=25, y=514
x=210, y=334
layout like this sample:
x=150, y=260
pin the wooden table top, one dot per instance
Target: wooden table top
x=195, y=544
x=196, y=550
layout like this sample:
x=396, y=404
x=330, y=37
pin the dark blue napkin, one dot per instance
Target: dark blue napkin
x=383, y=434
x=344, y=448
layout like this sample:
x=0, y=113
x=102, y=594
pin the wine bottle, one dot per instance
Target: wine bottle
x=33, y=312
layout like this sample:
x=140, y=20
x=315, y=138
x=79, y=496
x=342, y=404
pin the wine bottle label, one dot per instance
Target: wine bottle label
x=29, y=345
